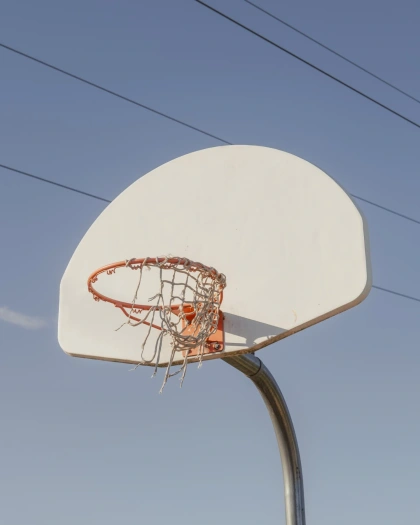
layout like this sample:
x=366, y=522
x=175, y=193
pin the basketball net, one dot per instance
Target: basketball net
x=185, y=309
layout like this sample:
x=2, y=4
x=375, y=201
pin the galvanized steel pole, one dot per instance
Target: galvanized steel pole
x=255, y=369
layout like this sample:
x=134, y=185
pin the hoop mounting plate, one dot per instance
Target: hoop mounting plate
x=215, y=343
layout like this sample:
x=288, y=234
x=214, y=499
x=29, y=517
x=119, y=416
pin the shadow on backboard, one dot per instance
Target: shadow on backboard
x=249, y=331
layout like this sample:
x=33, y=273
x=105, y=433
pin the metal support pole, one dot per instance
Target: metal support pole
x=253, y=367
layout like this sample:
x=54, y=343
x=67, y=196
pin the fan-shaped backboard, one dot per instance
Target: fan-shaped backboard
x=291, y=242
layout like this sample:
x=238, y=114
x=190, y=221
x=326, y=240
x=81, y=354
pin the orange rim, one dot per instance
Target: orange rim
x=136, y=264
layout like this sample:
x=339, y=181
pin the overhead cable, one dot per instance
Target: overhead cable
x=293, y=28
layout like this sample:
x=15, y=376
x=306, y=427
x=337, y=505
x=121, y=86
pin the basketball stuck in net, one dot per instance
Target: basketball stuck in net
x=185, y=308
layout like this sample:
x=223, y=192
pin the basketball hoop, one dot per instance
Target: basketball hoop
x=186, y=307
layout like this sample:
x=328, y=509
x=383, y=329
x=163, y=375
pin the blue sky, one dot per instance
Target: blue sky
x=87, y=441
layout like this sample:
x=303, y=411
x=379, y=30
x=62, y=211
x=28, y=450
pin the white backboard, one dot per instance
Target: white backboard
x=291, y=242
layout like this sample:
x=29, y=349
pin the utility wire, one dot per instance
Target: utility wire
x=48, y=181
x=306, y=62
x=397, y=293
x=161, y=114
x=386, y=209
x=110, y=92
x=97, y=197
x=332, y=51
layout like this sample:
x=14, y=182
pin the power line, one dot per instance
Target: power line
x=386, y=209
x=97, y=197
x=114, y=93
x=164, y=115
x=387, y=290
x=48, y=181
x=333, y=51
x=306, y=62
